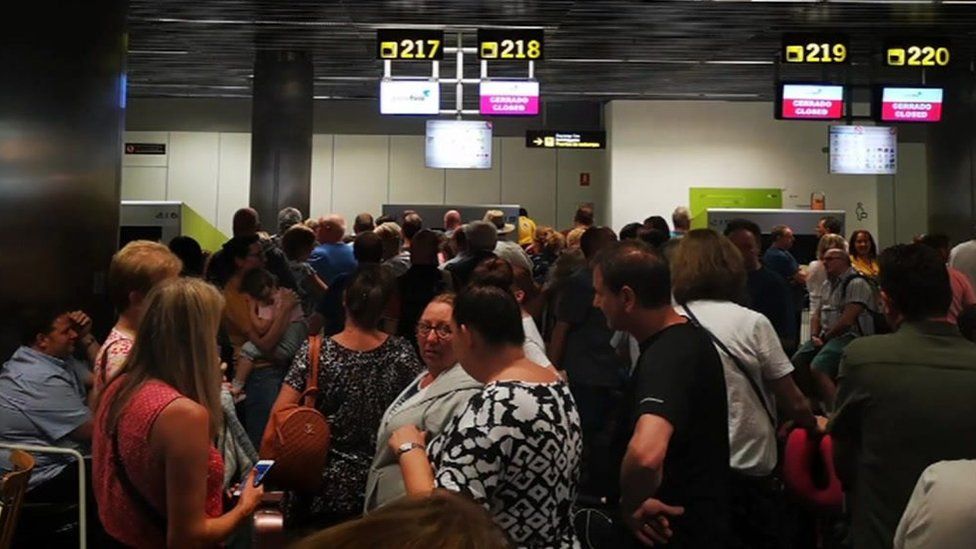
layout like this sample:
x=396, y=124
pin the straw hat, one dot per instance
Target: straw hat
x=497, y=218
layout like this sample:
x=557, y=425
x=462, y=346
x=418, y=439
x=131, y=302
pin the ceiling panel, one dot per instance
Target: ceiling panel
x=594, y=49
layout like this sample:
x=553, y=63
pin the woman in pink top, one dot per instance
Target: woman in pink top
x=134, y=270
x=156, y=474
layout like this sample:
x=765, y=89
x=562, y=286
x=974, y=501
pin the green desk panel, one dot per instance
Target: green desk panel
x=702, y=198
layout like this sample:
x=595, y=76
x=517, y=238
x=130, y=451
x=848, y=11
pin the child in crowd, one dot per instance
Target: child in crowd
x=264, y=295
x=298, y=243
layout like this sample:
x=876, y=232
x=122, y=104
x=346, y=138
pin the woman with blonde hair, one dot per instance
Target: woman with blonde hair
x=708, y=281
x=157, y=477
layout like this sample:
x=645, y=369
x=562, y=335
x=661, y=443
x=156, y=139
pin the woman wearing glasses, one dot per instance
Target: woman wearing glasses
x=429, y=402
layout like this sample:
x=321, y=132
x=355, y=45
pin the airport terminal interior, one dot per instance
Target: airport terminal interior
x=479, y=274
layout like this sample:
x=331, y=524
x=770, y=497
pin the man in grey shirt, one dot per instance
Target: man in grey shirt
x=844, y=314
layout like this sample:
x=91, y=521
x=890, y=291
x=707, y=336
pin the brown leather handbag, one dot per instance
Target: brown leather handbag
x=298, y=436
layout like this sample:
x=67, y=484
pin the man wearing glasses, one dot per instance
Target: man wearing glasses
x=844, y=313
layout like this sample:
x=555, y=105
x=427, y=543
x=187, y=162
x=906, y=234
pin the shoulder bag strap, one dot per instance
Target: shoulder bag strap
x=312, y=384
x=843, y=290
x=147, y=508
x=738, y=364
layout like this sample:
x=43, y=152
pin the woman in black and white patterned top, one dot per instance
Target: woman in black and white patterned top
x=515, y=448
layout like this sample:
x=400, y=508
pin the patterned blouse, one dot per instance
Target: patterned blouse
x=355, y=388
x=515, y=448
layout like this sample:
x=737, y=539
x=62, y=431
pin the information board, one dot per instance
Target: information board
x=863, y=150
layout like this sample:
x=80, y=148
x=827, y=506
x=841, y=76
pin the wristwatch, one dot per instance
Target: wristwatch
x=406, y=447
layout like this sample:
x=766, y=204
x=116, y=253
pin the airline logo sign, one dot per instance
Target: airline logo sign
x=813, y=102
x=500, y=98
x=410, y=97
x=911, y=105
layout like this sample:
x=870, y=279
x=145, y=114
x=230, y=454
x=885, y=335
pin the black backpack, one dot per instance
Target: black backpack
x=878, y=319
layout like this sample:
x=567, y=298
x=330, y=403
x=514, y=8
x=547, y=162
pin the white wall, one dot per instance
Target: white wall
x=658, y=150
x=210, y=171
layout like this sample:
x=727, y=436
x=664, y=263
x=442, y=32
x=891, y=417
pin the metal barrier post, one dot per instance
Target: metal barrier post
x=82, y=526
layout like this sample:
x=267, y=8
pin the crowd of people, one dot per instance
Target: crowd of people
x=497, y=384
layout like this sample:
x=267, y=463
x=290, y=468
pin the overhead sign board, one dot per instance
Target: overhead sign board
x=410, y=97
x=917, y=52
x=145, y=148
x=509, y=97
x=810, y=102
x=911, y=104
x=815, y=48
x=409, y=44
x=526, y=44
x=546, y=139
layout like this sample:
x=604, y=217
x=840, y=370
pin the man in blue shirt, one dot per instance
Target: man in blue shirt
x=332, y=257
x=778, y=257
x=43, y=391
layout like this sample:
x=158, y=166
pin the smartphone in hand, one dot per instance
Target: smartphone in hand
x=261, y=469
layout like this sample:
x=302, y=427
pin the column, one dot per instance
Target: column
x=62, y=97
x=281, y=134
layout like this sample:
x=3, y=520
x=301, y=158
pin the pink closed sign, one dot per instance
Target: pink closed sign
x=509, y=98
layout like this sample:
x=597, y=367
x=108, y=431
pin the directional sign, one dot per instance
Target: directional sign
x=548, y=139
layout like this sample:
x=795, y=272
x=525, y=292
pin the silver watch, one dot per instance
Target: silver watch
x=406, y=447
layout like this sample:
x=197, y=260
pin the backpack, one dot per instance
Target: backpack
x=879, y=321
x=299, y=436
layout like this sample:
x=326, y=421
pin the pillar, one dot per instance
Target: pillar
x=281, y=134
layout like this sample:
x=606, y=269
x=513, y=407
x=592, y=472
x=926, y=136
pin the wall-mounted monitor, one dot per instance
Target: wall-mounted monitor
x=863, y=150
x=806, y=101
x=458, y=144
x=919, y=104
x=410, y=97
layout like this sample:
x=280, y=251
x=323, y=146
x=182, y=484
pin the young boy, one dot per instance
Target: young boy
x=298, y=243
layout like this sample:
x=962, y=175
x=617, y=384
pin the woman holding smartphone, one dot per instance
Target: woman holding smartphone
x=158, y=478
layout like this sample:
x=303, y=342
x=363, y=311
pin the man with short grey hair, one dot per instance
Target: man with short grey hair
x=287, y=218
x=844, y=314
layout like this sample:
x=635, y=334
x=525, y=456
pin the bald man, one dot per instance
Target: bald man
x=452, y=220
x=332, y=257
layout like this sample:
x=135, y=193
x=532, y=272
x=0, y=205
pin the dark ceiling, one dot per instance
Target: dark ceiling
x=597, y=49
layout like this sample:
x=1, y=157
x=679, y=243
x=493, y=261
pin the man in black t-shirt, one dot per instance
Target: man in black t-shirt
x=674, y=473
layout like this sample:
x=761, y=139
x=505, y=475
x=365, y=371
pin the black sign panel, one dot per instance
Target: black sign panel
x=548, y=139
x=815, y=48
x=410, y=44
x=517, y=44
x=917, y=52
x=145, y=148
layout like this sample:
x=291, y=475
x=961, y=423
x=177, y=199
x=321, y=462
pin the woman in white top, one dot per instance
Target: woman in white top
x=517, y=280
x=708, y=278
